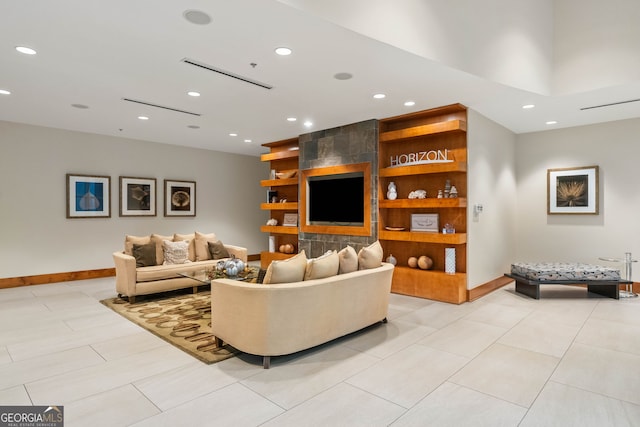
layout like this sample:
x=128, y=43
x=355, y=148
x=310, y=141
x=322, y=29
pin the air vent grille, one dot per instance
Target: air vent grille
x=149, y=104
x=226, y=73
x=610, y=105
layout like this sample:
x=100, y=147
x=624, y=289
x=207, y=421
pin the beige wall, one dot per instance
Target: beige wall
x=614, y=148
x=37, y=238
x=492, y=183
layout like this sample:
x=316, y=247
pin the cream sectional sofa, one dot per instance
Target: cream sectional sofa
x=278, y=319
x=133, y=279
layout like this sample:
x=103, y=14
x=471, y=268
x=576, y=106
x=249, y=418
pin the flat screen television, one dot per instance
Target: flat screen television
x=336, y=199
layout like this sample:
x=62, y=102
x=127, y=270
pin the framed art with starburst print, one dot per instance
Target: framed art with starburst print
x=573, y=190
x=179, y=198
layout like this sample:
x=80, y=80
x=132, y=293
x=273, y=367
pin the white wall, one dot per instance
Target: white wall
x=614, y=148
x=37, y=238
x=491, y=182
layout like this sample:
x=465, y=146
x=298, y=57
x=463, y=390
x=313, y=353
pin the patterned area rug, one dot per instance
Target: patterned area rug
x=180, y=318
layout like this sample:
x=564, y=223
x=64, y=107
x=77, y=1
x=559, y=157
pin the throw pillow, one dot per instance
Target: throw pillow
x=217, y=250
x=192, y=245
x=176, y=252
x=130, y=240
x=287, y=271
x=370, y=256
x=348, y=260
x=324, y=266
x=145, y=255
x=202, y=248
x=158, y=239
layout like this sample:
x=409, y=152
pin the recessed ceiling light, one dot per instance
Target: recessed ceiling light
x=283, y=51
x=291, y=119
x=528, y=106
x=379, y=96
x=196, y=17
x=80, y=106
x=409, y=103
x=4, y=92
x=308, y=124
x=193, y=127
x=552, y=122
x=193, y=93
x=25, y=50
x=342, y=76
x=233, y=134
x=143, y=117
x=247, y=141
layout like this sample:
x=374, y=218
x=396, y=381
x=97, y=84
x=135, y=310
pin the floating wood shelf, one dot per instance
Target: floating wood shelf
x=424, y=169
x=423, y=237
x=279, y=155
x=279, y=229
x=459, y=202
x=424, y=130
x=278, y=182
x=289, y=206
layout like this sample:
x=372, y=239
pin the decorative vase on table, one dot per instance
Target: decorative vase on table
x=392, y=192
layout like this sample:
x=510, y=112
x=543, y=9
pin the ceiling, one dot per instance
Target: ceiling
x=97, y=53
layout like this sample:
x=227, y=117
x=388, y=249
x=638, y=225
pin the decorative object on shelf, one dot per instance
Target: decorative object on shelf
x=447, y=188
x=88, y=196
x=287, y=248
x=272, y=196
x=392, y=191
x=448, y=229
x=424, y=222
x=391, y=259
x=290, y=220
x=272, y=243
x=453, y=193
x=425, y=263
x=418, y=194
x=286, y=174
x=395, y=228
x=179, y=198
x=450, y=260
x=412, y=262
x=572, y=190
x=440, y=195
x=283, y=201
x=272, y=175
x=272, y=221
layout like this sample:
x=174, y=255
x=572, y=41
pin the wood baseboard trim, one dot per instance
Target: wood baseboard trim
x=41, y=279
x=487, y=288
x=253, y=257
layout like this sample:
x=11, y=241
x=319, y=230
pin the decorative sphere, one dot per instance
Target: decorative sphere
x=281, y=249
x=412, y=262
x=424, y=262
x=391, y=259
x=288, y=248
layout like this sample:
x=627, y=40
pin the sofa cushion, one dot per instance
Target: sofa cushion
x=201, y=245
x=145, y=255
x=370, y=256
x=348, y=260
x=217, y=250
x=287, y=271
x=324, y=266
x=158, y=239
x=176, y=252
x=192, y=243
x=138, y=240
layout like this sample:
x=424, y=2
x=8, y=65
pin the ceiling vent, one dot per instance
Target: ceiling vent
x=149, y=104
x=610, y=105
x=226, y=73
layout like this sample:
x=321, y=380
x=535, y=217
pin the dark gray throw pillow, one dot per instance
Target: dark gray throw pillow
x=145, y=255
x=217, y=250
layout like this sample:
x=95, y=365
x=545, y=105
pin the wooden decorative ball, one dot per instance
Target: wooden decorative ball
x=425, y=263
x=281, y=249
x=288, y=248
x=412, y=262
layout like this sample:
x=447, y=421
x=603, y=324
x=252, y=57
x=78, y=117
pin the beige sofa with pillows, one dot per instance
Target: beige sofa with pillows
x=302, y=303
x=150, y=264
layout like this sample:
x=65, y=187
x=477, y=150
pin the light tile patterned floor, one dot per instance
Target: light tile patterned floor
x=504, y=360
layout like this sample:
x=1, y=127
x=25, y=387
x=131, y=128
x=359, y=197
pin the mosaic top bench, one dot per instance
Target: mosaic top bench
x=600, y=280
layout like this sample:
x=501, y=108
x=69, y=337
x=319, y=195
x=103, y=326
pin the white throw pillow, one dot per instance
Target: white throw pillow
x=324, y=266
x=287, y=271
x=192, y=243
x=175, y=252
x=370, y=256
x=348, y=260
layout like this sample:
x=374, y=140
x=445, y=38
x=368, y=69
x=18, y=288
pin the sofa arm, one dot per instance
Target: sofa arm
x=125, y=273
x=237, y=251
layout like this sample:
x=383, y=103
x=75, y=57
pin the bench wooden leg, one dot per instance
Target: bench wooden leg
x=611, y=291
x=266, y=362
x=532, y=291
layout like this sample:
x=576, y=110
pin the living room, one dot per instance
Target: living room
x=507, y=175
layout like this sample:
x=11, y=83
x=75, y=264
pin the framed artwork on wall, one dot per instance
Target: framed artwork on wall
x=88, y=196
x=573, y=190
x=424, y=222
x=179, y=198
x=137, y=196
